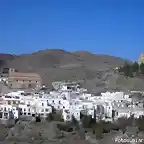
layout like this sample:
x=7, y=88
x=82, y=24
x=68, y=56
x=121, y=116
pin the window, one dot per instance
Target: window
x=42, y=104
x=1, y=114
x=46, y=110
x=4, y=108
x=63, y=106
x=29, y=86
x=53, y=101
x=29, y=113
x=68, y=88
x=9, y=102
x=14, y=102
x=17, y=97
x=68, y=117
x=33, y=115
x=24, y=109
x=42, y=110
x=17, y=80
x=6, y=115
x=29, y=110
x=29, y=80
x=59, y=102
x=24, y=113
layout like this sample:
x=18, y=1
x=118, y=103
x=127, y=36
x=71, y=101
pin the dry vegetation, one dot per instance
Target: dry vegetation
x=57, y=64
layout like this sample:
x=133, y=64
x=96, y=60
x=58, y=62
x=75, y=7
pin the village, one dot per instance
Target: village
x=70, y=98
x=29, y=100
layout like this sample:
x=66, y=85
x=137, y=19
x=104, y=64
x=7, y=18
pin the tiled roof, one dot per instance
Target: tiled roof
x=19, y=74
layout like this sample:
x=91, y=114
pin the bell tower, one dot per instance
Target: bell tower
x=141, y=58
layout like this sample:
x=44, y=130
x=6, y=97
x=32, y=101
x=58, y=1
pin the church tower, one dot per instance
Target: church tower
x=141, y=58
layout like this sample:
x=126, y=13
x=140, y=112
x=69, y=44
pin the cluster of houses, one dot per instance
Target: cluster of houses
x=72, y=100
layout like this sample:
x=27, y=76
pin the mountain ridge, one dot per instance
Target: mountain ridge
x=57, y=64
x=60, y=57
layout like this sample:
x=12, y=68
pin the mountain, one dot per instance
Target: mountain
x=56, y=64
x=4, y=58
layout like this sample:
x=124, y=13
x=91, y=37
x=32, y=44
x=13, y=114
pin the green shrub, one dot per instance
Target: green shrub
x=65, y=127
x=86, y=121
x=74, y=122
x=56, y=116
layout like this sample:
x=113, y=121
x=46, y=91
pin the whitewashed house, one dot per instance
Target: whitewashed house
x=8, y=112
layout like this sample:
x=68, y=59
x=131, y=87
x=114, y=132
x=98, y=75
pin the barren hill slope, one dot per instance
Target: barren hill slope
x=57, y=64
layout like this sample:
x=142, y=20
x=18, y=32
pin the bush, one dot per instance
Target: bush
x=142, y=68
x=140, y=123
x=127, y=69
x=115, y=127
x=86, y=121
x=81, y=115
x=56, y=116
x=75, y=122
x=49, y=117
x=38, y=118
x=123, y=122
x=106, y=126
x=135, y=67
x=130, y=70
x=65, y=127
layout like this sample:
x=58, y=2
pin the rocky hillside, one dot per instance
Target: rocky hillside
x=4, y=58
x=57, y=64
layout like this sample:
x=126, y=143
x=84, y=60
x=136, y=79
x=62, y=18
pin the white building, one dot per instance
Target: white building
x=71, y=100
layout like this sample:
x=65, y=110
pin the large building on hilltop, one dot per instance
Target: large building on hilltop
x=141, y=58
x=19, y=80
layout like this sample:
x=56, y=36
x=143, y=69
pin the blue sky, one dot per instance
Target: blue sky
x=114, y=27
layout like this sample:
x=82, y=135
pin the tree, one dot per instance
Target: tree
x=49, y=117
x=127, y=70
x=135, y=67
x=113, y=114
x=142, y=68
x=95, y=115
x=58, y=117
x=124, y=122
x=75, y=122
x=86, y=121
x=140, y=123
